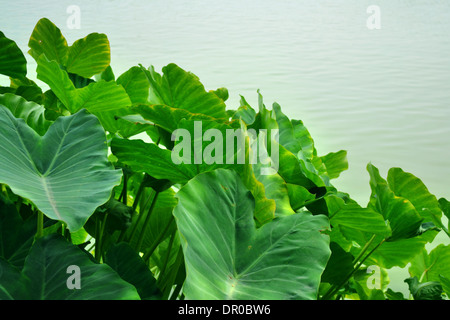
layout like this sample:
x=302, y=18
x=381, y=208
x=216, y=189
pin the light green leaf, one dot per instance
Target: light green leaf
x=47, y=39
x=335, y=163
x=399, y=212
x=429, y=266
x=135, y=84
x=228, y=258
x=408, y=186
x=180, y=89
x=88, y=56
x=12, y=61
x=65, y=173
x=362, y=219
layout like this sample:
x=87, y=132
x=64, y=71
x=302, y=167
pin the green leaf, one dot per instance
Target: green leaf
x=149, y=158
x=245, y=112
x=65, y=173
x=228, y=258
x=298, y=196
x=12, y=61
x=47, y=39
x=89, y=56
x=433, y=265
x=135, y=84
x=408, y=186
x=97, y=97
x=180, y=89
x=444, y=204
x=46, y=275
x=339, y=265
x=160, y=220
x=400, y=252
x=424, y=291
x=32, y=113
x=445, y=282
x=335, y=163
x=131, y=268
x=399, y=212
x=16, y=235
x=167, y=117
x=362, y=219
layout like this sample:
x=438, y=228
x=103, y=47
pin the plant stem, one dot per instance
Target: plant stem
x=364, y=249
x=123, y=195
x=166, y=259
x=146, y=222
x=135, y=204
x=40, y=225
x=336, y=288
x=141, y=214
x=155, y=244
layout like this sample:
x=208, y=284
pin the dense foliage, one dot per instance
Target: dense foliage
x=80, y=193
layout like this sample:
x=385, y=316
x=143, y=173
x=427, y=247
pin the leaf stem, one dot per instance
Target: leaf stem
x=166, y=259
x=40, y=225
x=336, y=288
x=155, y=244
x=146, y=222
x=141, y=214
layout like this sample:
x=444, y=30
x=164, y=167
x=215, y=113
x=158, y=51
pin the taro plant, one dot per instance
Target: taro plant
x=147, y=186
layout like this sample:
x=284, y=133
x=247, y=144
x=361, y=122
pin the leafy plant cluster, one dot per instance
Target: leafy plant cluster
x=78, y=189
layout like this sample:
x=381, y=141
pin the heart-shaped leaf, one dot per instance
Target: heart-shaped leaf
x=178, y=88
x=228, y=258
x=65, y=173
x=47, y=39
x=89, y=56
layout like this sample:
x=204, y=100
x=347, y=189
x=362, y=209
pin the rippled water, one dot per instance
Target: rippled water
x=382, y=95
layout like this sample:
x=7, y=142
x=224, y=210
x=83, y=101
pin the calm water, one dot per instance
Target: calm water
x=382, y=95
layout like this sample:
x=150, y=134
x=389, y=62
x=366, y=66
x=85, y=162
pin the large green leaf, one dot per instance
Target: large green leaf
x=47, y=39
x=399, y=212
x=89, y=56
x=135, y=84
x=408, y=186
x=180, y=89
x=106, y=99
x=46, y=275
x=430, y=266
x=32, y=113
x=353, y=216
x=228, y=258
x=12, y=60
x=65, y=173
x=97, y=97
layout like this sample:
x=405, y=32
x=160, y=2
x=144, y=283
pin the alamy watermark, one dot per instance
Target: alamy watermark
x=74, y=19
x=373, y=22
x=229, y=148
x=74, y=280
x=374, y=280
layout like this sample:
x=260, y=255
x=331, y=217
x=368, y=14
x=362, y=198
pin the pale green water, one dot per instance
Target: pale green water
x=382, y=95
